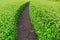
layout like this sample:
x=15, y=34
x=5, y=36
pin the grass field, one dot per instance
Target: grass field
x=45, y=17
x=44, y=14
x=9, y=12
x=54, y=0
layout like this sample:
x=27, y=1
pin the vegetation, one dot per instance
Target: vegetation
x=55, y=0
x=44, y=14
x=45, y=17
x=9, y=11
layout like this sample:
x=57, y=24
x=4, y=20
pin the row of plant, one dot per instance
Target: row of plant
x=9, y=13
x=45, y=17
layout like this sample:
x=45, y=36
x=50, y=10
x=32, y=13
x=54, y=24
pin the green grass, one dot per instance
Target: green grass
x=55, y=0
x=44, y=14
x=45, y=17
x=9, y=12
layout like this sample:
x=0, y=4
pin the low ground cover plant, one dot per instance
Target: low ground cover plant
x=45, y=17
x=9, y=12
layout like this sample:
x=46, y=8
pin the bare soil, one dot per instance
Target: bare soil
x=25, y=28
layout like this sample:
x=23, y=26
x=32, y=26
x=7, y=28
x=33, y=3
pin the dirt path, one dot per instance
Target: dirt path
x=25, y=29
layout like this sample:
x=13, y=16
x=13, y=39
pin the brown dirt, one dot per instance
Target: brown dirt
x=25, y=29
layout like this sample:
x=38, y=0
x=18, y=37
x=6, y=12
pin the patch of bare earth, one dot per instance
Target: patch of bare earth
x=25, y=28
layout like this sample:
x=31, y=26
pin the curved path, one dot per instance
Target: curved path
x=25, y=29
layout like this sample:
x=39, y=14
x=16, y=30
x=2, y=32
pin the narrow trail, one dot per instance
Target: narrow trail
x=25, y=29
